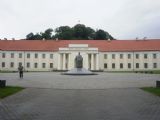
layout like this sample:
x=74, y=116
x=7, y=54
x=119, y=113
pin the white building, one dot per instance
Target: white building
x=48, y=55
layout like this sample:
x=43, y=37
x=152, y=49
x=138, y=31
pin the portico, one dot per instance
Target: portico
x=66, y=57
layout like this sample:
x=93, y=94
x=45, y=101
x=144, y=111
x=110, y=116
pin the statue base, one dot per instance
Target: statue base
x=79, y=71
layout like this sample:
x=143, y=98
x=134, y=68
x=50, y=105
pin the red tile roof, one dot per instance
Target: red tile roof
x=102, y=45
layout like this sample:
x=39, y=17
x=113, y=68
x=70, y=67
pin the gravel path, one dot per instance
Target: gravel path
x=100, y=81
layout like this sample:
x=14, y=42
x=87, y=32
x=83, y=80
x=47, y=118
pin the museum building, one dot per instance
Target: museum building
x=105, y=55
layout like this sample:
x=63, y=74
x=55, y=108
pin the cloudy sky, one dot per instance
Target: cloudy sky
x=123, y=19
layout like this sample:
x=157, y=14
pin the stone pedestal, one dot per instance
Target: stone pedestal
x=79, y=71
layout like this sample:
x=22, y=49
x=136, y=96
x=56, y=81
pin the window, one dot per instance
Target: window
x=105, y=56
x=43, y=65
x=43, y=55
x=36, y=55
x=145, y=56
x=12, y=64
x=3, y=55
x=137, y=56
x=137, y=65
x=121, y=56
x=28, y=65
x=3, y=64
x=51, y=56
x=113, y=65
x=129, y=65
x=51, y=65
x=105, y=65
x=154, y=65
x=129, y=56
x=12, y=55
x=20, y=55
x=154, y=56
x=113, y=56
x=20, y=63
x=35, y=65
x=145, y=65
x=28, y=55
x=121, y=65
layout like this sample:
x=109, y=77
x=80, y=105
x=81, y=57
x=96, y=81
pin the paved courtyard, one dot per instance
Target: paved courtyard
x=107, y=96
x=54, y=104
x=100, y=81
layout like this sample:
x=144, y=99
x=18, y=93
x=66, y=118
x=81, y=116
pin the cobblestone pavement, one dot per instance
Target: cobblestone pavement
x=101, y=81
x=56, y=104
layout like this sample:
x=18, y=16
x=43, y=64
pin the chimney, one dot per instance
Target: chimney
x=144, y=38
x=56, y=39
x=109, y=40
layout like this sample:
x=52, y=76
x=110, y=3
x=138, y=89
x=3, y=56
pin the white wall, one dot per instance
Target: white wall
x=24, y=60
x=150, y=60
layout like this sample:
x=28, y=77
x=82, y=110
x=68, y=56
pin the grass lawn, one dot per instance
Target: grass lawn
x=6, y=91
x=8, y=71
x=156, y=72
x=153, y=90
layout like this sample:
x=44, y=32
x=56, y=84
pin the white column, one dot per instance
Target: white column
x=67, y=55
x=59, y=62
x=87, y=66
x=69, y=59
x=92, y=61
x=97, y=61
x=64, y=61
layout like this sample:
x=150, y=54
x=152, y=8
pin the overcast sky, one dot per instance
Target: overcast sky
x=123, y=19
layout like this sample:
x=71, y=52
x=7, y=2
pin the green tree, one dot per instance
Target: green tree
x=64, y=33
x=90, y=33
x=47, y=34
x=38, y=36
x=102, y=35
x=111, y=38
x=30, y=36
x=80, y=31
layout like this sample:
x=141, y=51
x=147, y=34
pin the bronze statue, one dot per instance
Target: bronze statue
x=79, y=61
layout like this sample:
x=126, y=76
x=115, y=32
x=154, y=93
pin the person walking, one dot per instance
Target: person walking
x=20, y=69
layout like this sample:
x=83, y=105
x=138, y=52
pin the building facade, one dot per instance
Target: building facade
x=47, y=55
